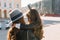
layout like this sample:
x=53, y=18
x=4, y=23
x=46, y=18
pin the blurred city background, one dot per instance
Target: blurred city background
x=49, y=11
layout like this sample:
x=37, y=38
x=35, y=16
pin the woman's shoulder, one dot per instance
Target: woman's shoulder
x=13, y=29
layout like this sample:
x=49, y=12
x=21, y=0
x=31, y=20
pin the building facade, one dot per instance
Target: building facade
x=57, y=7
x=7, y=6
x=46, y=6
x=50, y=6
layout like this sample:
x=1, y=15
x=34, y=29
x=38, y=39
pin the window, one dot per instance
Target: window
x=0, y=13
x=5, y=4
x=36, y=5
x=5, y=13
x=10, y=5
x=17, y=5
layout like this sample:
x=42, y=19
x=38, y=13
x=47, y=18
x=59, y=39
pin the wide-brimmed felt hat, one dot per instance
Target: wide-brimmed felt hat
x=15, y=15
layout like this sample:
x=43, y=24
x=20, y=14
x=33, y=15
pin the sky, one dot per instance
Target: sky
x=26, y=2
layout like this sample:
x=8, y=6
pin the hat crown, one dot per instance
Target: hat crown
x=15, y=15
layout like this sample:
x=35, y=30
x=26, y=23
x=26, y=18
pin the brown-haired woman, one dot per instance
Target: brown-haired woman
x=35, y=24
x=14, y=33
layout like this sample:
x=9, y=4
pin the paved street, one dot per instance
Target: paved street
x=51, y=29
x=3, y=34
x=52, y=32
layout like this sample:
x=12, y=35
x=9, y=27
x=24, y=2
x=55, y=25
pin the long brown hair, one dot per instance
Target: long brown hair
x=33, y=15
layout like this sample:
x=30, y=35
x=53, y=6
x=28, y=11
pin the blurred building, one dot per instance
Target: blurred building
x=7, y=6
x=46, y=6
x=50, y=6
x=56, y=6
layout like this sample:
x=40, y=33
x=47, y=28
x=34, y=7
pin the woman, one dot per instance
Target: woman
x=15, y=33
x=35, y=24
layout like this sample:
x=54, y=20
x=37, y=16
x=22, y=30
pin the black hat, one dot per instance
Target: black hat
x=15, y=15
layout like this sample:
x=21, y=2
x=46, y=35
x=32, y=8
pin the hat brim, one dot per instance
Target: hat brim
x=17, y=18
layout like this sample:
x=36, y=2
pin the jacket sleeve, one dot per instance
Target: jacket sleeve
x=36, y=21
x=31, y=26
